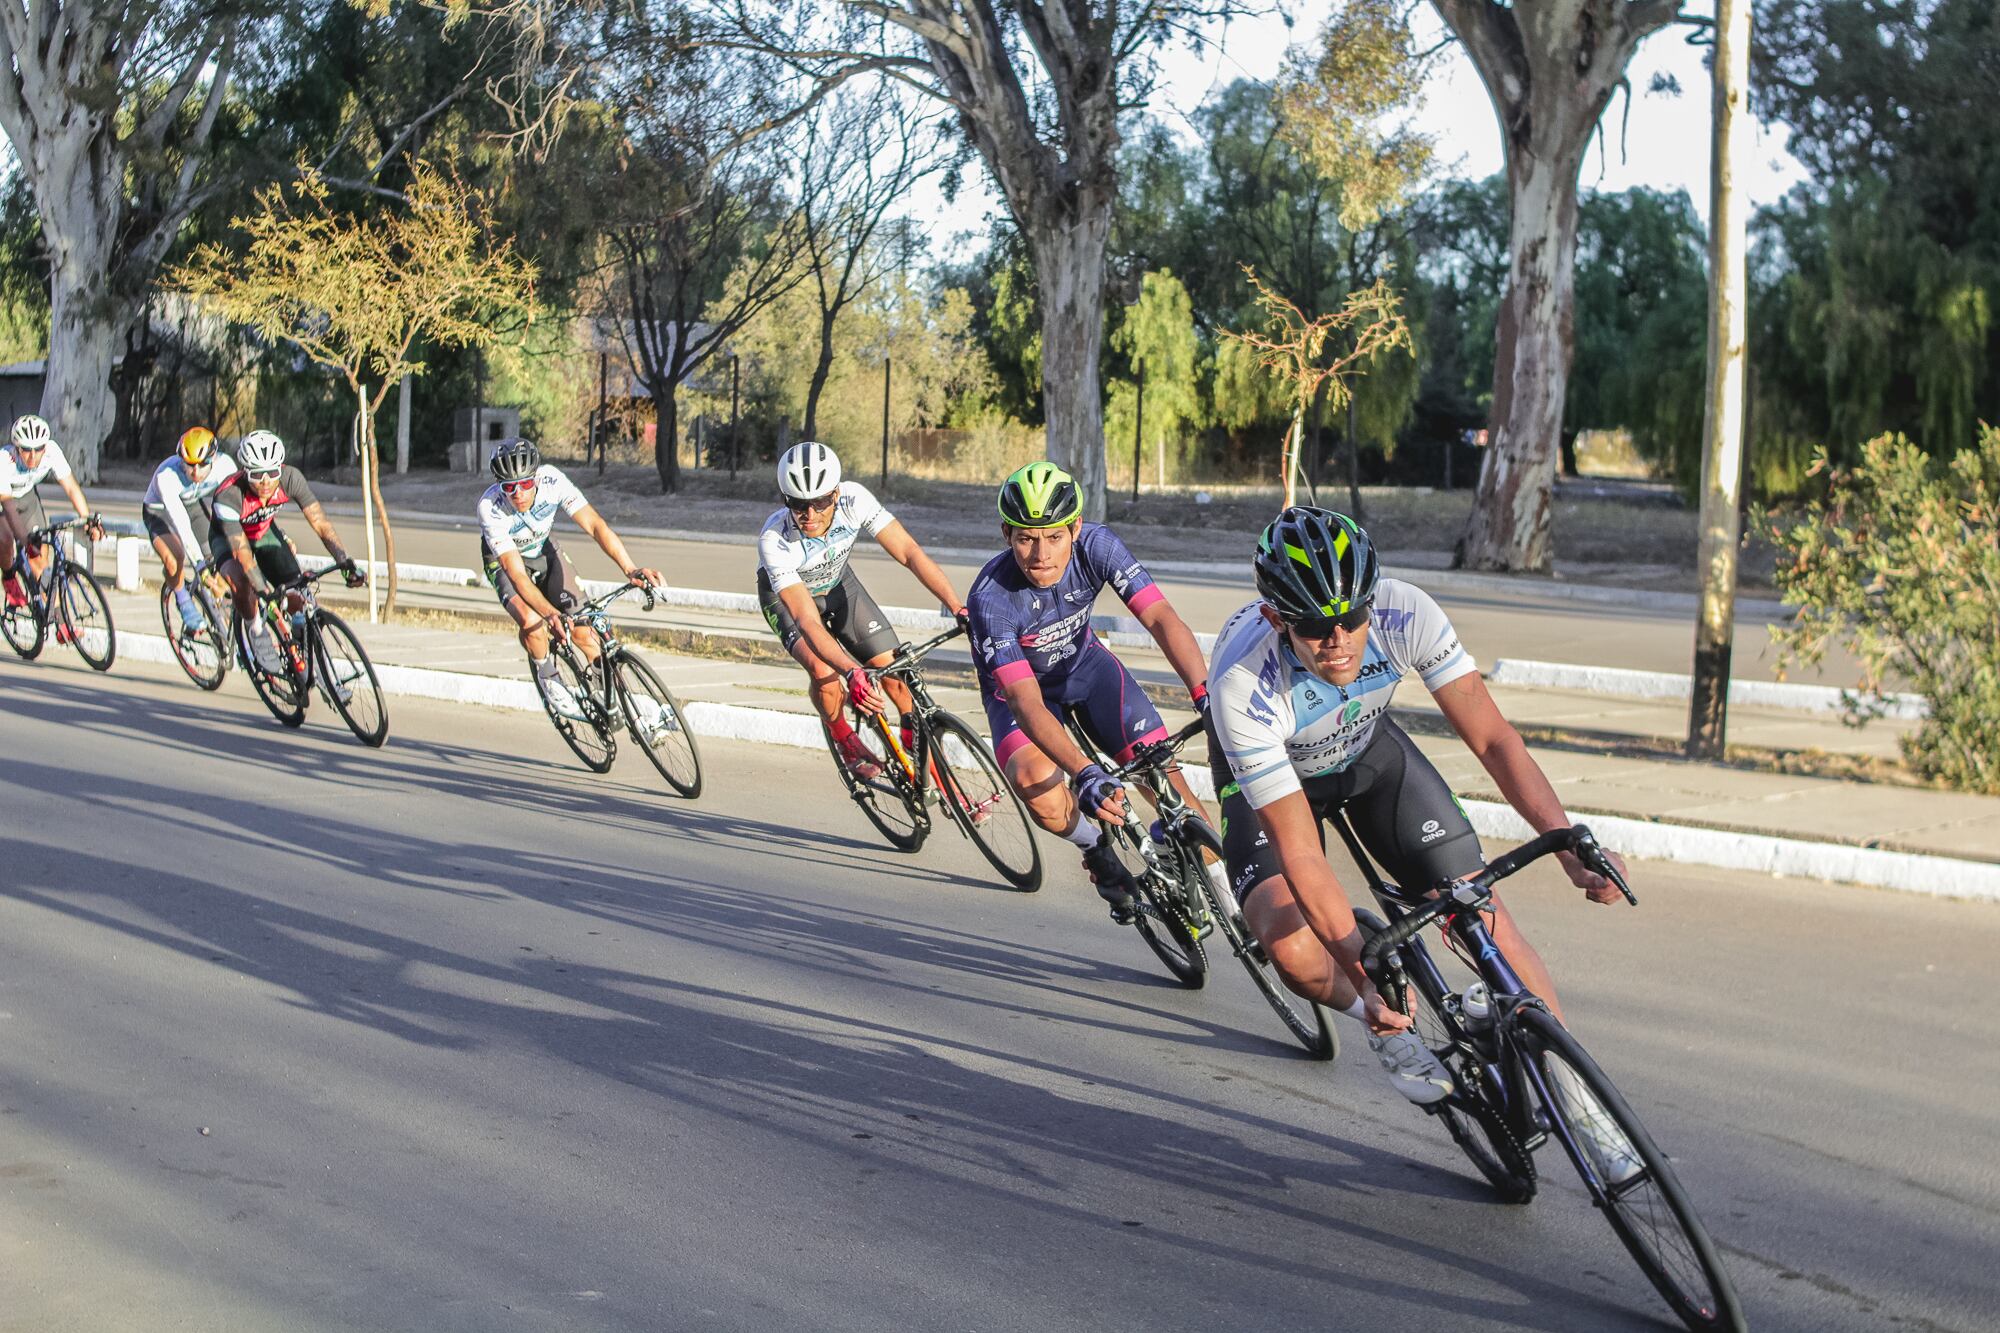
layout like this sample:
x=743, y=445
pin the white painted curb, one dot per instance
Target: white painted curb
x=1937, y=876
x=1623, y=683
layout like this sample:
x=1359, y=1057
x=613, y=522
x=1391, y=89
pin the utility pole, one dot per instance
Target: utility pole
x=734, y=449
x=1723, y=419
x=885, y=425
x=600, y=431
x=1138, y=430
x=403, y=425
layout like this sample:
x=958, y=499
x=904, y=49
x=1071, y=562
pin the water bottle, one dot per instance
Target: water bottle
x=298, y=627
x=1476, y=1005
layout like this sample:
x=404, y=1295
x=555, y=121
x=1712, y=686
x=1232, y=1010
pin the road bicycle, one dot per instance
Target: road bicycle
x=316, y=650
x=1521, y=1079
x=1184, y=891
x=202, y=649
x=944, y=766
x=66, y=598
x=619, y=685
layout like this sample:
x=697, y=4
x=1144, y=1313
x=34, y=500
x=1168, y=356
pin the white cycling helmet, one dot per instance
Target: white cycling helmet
x=31, y=432
x=260, y=451
x=807, y=471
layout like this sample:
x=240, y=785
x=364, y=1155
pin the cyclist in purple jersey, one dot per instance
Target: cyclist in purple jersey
x=1038, y=658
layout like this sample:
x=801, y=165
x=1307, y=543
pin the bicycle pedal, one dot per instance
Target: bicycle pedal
x=1124, y=915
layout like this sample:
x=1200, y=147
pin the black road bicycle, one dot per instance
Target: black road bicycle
x=202, y=649
x=66, y=598
x=316, y=649
x=618, y=687
x=1522, y=1079
x=1184, y=895
x=945, y=767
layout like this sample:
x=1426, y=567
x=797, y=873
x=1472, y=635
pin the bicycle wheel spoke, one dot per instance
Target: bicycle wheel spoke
x=657, y=725
x=969, y=786
x=348, y=678
x=884, y=797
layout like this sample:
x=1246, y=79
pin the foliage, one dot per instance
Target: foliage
x=1899, y=560
x=1157, y=332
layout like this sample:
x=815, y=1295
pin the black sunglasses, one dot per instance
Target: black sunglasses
x=1323, y=627
x=811, y=506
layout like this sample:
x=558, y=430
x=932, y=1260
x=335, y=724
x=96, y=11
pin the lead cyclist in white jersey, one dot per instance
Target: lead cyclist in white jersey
x=816, y=605
x=1300, y=683
x=178, y=516
x=525, y=565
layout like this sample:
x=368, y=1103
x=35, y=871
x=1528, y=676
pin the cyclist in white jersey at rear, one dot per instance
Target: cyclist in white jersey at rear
x=814, y=601
x=1301, y=682
x=534, y=579
x=179, y=516
x=31, y=457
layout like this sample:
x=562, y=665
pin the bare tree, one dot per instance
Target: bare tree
x=857, y=159
x=1550, y=68
x=96, y=95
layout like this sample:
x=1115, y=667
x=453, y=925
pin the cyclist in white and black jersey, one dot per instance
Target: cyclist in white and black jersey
x=533, y=578
x=178, y=515
x=1301, y=682
x=815, y=603
x=30, y=457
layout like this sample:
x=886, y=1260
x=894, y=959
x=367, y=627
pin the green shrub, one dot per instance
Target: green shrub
x=1899, y=559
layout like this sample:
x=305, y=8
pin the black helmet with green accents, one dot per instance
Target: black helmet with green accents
x=1314, y=564
x=1040, y=495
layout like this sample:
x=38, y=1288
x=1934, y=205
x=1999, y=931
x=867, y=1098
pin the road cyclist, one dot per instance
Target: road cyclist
x=180, y=520
x=250, y=548
x=814, y=602
x=30, y=457
x=528, y=570
x=1302, y=680
x=1038, y=658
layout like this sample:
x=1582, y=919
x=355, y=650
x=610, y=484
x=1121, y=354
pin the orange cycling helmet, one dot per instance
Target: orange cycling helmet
x=197, y=446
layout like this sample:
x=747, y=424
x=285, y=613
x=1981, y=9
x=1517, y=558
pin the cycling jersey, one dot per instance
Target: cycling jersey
x=1279, y=725
x=789, y=556
x=503, y=528
x=172, y=490
x=18, y=479
x=239, y=508
x=1020, y=630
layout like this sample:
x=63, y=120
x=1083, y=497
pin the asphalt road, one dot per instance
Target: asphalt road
x=458, y=1036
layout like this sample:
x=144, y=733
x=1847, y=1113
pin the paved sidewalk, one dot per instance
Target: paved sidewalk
x=1664, y=790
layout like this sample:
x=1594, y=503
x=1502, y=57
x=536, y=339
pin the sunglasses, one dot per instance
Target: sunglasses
x=811, y=506
x=516, y=487
x=261, y=474
x=1323, y=627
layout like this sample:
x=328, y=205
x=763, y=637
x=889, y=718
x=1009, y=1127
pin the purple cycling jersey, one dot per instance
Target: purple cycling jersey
x=1019, y=629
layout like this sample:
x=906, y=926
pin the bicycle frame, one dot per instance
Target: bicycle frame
x=596, y=616
x=1150, y=767
x=49, y=539
x=903, y=666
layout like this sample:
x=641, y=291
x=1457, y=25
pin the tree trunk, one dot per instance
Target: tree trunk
x=1509, y=525
x=1353, y=466
x=821, y=370
x=374, y=453
x=666, y=436
x=1069, y=265
x=85, y=329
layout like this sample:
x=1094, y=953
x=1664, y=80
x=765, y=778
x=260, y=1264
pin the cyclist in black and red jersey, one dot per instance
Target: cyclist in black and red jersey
x=246, y=543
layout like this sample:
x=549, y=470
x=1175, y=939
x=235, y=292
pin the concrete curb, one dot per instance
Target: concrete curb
x=1666, y=685
x=1685, y=844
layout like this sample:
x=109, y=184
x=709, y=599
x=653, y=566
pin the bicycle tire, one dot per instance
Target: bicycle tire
x=1162, y=918
x=672, y=750
x=343, y=661
x=888, y=800
x=1306, y=1020
x=22, y=628
x=590, y=738
x=1688, y=1275
x=1480, y=1131
x=969, y=779
x=87, y=616
x=284, y=695
x=204, y=654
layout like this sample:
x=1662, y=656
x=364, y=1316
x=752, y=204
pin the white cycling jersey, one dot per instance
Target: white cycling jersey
x=789, y=556
x=17, y=479
x=503, y=528
x=1279, y=724
x=171, y=491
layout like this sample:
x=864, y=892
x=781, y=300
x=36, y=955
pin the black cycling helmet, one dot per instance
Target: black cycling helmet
x=1040, y=495
x=515, y=460
x=1314, y=564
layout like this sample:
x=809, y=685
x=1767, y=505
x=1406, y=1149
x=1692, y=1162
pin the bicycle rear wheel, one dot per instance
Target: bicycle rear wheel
x=348, y=679
x=664, y=736
x=87, y=616
x=580, y=720
x=1305, y=1020
x=979, y=799
x=284, y=693
x=1649, y=1210
x=889, y=798
x=204, y=652
x=20, y=626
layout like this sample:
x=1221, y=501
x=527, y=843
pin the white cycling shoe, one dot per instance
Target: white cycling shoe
x=1607, y=1145
x=563, y=700
x=264, y=649
x=1415, y=1071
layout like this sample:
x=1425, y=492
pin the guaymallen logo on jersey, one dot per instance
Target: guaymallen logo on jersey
x=1349, y=713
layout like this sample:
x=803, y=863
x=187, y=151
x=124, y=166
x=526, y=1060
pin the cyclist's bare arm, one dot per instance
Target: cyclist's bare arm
x=321, y=524
x=1469, y=707
x=75, y=495
x=898, y=542
x=818, y=637
x=526, y=590
x=608, y=541
x=1176, y=642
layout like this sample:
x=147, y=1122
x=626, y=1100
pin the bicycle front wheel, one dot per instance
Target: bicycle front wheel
x=573, y=707
x=1627, y=1175
x=203, y=652
x=87, y=616
x=21, y=627
x=657, y=725
x=886, y=793
x=978, y=797
x=1306, y=1021
x=1162, y=919
x=284, y=693
x=348, y=679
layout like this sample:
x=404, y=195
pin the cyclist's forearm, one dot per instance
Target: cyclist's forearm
x=934, y=580
x=820, y=639
x=77, y=500
x=1047, y=732
x=610, y=543
x=1327, y=912
x=1177, y=643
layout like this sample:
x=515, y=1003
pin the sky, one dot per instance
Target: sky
x=1664, y=143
